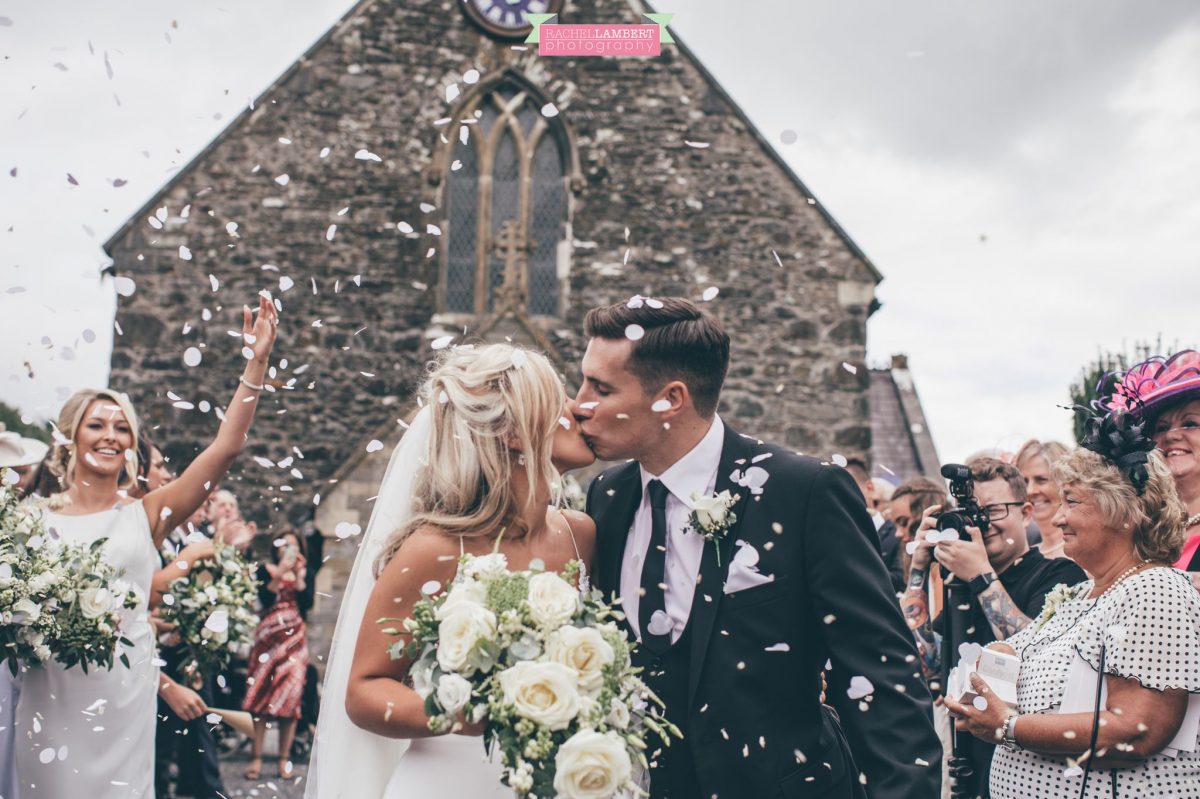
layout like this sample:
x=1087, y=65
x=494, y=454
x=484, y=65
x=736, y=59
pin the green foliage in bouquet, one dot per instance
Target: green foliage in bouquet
x=57, y=601
x=547, y=669
x=212, y=609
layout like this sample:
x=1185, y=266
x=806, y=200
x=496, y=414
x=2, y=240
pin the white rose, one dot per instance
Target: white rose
x=453, y=693
x=95, y=602
x=492, y=564
x=544, y=693
x=422, y=679
x=552, y=600
x=459, y=632
x=618, y=716
x=585, y=651
x=591, y=765
x=29, y=610
x=711, y=510
x=466, y=592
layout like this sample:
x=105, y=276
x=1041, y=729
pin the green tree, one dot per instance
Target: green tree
x=10, y=418
x=1087, y=386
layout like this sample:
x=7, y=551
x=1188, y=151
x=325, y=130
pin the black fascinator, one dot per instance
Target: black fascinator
x=1118, y=435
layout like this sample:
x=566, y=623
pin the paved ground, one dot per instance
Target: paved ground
x=268, y=786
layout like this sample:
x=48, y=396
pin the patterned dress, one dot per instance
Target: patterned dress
x=1149, y=624
x=278, y=660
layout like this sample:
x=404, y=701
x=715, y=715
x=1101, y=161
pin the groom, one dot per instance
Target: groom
x=735, y=629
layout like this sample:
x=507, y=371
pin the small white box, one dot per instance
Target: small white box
x=998, y=669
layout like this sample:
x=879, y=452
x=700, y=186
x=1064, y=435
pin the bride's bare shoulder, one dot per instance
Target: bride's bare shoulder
x=426, y=554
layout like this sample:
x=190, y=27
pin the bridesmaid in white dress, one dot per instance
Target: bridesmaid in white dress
x=474, y=474
x=92, y=735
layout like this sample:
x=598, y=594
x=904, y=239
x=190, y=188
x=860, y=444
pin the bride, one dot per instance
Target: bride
x=473, y=474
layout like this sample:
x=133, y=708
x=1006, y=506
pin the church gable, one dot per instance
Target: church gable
x=350, y=192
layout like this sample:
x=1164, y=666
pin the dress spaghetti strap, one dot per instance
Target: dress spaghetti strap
x=571, y=530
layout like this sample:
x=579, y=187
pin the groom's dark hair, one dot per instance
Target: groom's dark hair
x=681, y=342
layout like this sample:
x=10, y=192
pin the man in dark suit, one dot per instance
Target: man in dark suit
x=735, y=628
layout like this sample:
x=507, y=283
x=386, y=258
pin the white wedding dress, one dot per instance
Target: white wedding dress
x=92, y=735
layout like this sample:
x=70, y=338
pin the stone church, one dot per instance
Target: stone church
x=420, y=173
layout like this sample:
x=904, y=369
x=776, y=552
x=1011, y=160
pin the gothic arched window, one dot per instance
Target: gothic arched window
x=506, y=207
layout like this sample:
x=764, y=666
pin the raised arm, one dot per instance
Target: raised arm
x=866, y=636
x=168, y=506
x=377, y=698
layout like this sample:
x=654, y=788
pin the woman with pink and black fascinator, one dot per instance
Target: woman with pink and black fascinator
x=1165, y=393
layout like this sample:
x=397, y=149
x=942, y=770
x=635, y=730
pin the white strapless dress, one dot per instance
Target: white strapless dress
x=451, y=766
x=92, y=735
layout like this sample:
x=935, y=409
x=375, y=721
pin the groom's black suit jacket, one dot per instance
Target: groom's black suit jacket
x=754, y=718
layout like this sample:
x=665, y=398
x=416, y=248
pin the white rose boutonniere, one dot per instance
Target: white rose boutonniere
x=1058, y=594
x=712, y=516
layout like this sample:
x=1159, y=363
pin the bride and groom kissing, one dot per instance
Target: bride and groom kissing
x=735, y=627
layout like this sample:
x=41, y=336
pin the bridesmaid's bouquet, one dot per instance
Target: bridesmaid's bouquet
x=57, y=601
x=212, y=609
x=545, y=666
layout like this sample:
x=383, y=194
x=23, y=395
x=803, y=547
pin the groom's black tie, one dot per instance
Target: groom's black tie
x=654, y=575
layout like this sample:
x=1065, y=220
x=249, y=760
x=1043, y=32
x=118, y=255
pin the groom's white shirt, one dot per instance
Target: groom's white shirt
x=695, y=472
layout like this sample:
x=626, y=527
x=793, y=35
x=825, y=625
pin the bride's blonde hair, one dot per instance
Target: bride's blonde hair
x=480, y=398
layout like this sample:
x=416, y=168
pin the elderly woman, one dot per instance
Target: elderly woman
x=1137, y=621
x=1034, y=459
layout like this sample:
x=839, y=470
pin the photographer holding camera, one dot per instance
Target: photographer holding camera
x=1007, y=580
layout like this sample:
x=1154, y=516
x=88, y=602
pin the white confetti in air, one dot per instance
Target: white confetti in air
x=325, y=151
x=441, y=342
x=443, y=398
x=330, y=233
x=710, y=293
x=212, y=280
x=374, y=445
x=565, y=422
x=471, y=76
x=549, y=111
x=231, y=228
x=788, y=137
x=849, y=367
x=699, y=145
x=980, y=703
x=634, y=332
x=367, y=155
x=213, y=718
x=404, y=227
x=839, y=460
x=124, y=286
x=781, y=647
x=635, y=302
x=452, y=92
x=753, y=478
x=430, y=588
x=1072, y=771
x=285, y=282
x=520, y=359
x=161, y=214
x=283, y=180
x=218, y=621
x=46, y=756
x=185, y=253
x=587, y=406
x=653, y=303
x=660, y=623
x=859, y=687
x=433, y=230
x=661, y=405
x=248, y=353
x=346, y=530
x=192, y=356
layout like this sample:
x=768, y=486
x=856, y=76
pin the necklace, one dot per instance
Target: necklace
x=1122, y=576
x=1192, y=521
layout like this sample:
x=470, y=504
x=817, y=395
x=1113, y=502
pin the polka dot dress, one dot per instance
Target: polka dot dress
x=1149, y=624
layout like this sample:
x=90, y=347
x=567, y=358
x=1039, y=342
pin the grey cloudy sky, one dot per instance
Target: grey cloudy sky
x=1023, y=173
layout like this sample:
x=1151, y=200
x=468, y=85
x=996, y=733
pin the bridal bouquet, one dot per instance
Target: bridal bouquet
x=547, y=669
x=211, y=607
x=57, y=601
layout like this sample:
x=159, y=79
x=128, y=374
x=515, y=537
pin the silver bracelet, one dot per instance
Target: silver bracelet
x=249, y=385
x=1008, y=738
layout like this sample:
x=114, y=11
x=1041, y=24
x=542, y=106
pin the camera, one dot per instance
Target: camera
x=969, y=512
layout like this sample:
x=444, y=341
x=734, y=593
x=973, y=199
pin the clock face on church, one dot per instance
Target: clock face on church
x=505, y=19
